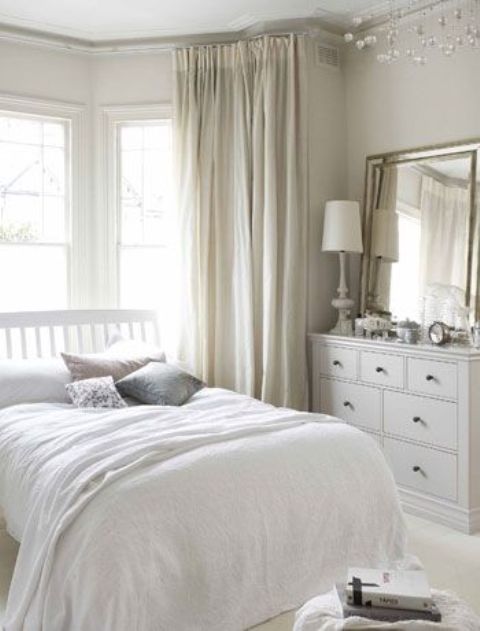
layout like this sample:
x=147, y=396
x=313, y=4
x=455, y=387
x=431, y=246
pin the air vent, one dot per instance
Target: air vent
x=327, y=56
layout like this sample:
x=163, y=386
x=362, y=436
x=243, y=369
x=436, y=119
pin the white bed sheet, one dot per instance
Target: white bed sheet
x=213, y=516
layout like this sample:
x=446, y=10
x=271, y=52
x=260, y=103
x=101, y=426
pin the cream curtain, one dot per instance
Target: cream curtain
x=387, y=199
x=444, y=233
x=241, y=175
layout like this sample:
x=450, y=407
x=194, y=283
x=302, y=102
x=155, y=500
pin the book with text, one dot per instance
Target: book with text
x=388, y=588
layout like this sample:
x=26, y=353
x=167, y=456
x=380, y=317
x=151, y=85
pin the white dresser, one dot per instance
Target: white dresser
x=422, y=405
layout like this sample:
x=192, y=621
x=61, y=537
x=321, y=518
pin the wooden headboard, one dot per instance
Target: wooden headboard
x=29, y=334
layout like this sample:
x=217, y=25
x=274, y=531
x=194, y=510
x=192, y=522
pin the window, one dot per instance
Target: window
x=34, y=212
x=405, y=292
x=144, y=183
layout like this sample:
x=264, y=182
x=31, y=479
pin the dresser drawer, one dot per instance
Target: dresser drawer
x=422, y=469
x=336, y=361
x=353, y=403
x=382, y=369
x=376, y=437
x=432, y=377
x=420, y=419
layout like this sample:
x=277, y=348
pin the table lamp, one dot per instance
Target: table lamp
x=342, y=233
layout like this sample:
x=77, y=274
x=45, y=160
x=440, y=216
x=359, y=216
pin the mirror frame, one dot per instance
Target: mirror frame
x=468, y=148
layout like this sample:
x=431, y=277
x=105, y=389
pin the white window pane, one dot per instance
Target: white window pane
x=142, y=277
x=20, y=130
x=20, y=168
x=155, y=228
x=53, y=171
x=132, y=224
x=154, y=181
x=157, y=136
x=54, y=134
x=131, y=137
x=21, y=219
x=33, y=277
x=54, y=219
x=132, y=169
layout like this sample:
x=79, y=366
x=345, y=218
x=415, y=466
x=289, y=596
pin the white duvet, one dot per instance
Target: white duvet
x=213, y=516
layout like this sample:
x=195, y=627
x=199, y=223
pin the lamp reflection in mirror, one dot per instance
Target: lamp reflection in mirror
x=342, y=233
x=384, y=249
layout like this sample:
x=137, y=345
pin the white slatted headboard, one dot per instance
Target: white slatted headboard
x=29, y=334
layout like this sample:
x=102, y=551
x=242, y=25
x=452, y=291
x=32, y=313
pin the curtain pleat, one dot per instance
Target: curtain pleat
x=242, y=194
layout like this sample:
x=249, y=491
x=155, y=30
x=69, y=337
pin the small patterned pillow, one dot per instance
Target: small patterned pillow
x=99, y=392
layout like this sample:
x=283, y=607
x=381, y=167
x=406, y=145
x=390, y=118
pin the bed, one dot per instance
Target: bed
x=216, y=515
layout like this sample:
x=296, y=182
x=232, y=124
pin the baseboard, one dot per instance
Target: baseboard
x=442, y=512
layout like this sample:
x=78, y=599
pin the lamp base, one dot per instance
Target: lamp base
x=344, y=324
x=343, y=304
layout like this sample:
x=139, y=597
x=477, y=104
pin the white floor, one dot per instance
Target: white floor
x=451, y=559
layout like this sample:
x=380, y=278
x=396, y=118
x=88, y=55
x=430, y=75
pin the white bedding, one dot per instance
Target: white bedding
x=213, y=516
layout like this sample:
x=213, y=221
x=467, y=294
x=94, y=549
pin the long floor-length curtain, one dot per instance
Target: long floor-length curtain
x=444, y=234
x=240, y=144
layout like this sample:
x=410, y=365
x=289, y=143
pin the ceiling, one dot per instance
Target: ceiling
x=457, y=169
x=109, y=20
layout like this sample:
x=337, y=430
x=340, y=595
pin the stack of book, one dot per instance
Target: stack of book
x=387, y=595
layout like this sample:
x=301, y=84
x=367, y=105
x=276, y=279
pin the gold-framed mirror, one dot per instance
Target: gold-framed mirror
x=421, y=233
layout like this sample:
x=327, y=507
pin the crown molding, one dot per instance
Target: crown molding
x=246, y=26
x=108, y=36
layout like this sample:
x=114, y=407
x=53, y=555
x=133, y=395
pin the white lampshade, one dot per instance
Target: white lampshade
x=385, y=235
x=342, y=231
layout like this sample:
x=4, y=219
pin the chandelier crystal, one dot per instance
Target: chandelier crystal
x=415, y=29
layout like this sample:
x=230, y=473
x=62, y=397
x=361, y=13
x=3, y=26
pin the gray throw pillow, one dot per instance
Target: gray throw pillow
x=160, y=384
x=95, y=393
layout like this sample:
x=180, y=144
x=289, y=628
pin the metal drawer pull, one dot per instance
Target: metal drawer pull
x=416, y=468
x=430, y=378
x=380, y=369
x=337, y=363
x=416, y=419
x=347, y=404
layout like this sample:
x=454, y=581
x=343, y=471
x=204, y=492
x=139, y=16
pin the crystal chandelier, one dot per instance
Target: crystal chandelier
x=416, y=28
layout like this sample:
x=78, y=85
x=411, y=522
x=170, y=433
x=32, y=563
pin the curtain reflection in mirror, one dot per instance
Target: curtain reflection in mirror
x=419, y=235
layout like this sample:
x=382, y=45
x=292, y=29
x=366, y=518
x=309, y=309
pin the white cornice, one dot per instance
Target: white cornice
x=66, y=38
x=101, y=38
x=244, y=27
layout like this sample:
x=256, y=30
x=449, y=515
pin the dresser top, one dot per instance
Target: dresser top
x=394, y=346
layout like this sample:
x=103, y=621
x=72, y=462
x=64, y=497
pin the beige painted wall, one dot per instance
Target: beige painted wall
x=328, y=180
x=36, y=71
x=401, y=106
x=132, y=78
x=146, y=78
x=359, y=109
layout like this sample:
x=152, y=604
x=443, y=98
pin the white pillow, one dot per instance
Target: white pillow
x=33, y=381
x=118, y=346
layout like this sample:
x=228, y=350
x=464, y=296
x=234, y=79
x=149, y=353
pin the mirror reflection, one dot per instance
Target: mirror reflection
x=419, y=238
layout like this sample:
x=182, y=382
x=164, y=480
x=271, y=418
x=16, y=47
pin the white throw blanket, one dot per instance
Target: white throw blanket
x=324, y=613
x=213, y=516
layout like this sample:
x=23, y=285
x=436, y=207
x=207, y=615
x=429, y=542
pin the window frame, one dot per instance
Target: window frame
x=113, y=118
x=73, y=115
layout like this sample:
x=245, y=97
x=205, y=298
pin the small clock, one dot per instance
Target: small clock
x=439, y=333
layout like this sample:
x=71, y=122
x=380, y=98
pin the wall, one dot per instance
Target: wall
x=400, y=106
x=36, y=71
x=355, y=111
x=72, y=77
x=328, y=180
x=119, y=80
x=132, y=78
x=146, y=78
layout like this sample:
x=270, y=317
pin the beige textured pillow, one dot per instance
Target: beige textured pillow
x=90, y=366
